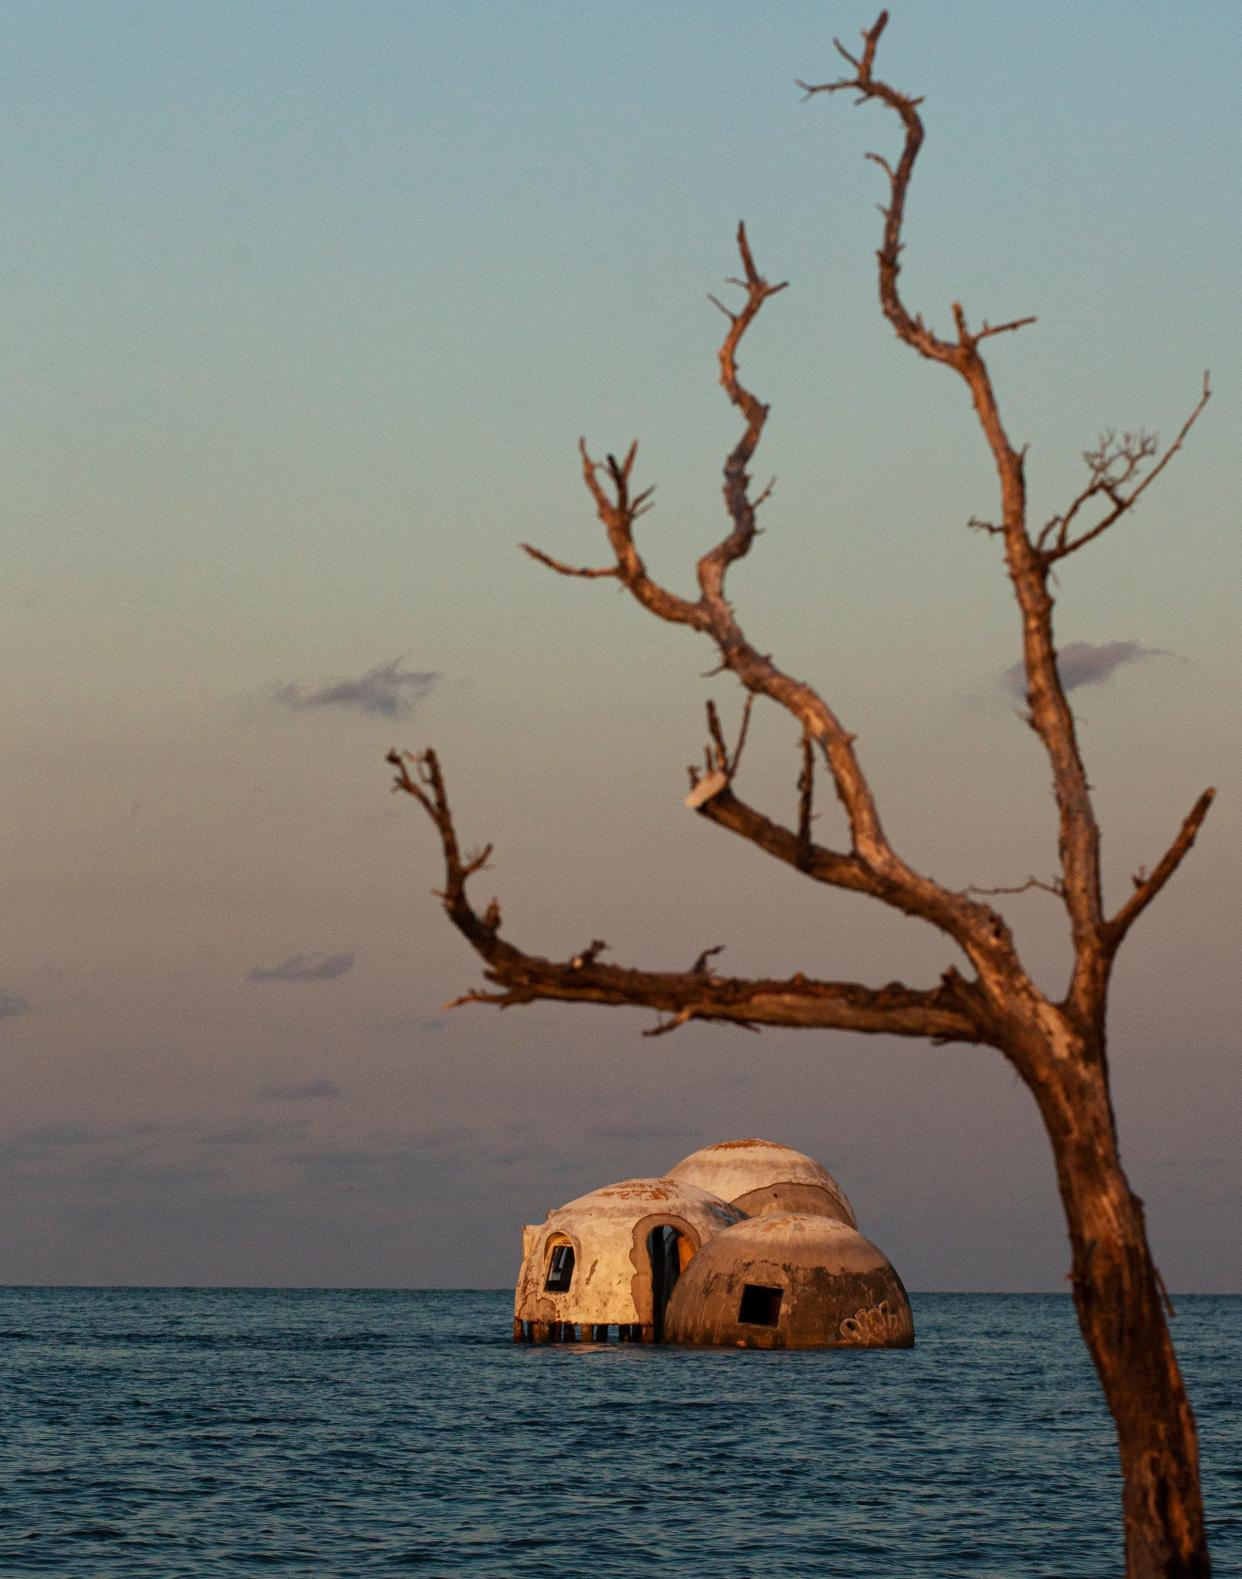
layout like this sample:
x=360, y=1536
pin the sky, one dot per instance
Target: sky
x=304, y=308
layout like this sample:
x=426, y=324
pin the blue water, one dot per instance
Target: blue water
x=229, y=1432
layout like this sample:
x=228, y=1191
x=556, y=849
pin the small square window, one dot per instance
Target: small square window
x=560, y=1269
x=760, y=1307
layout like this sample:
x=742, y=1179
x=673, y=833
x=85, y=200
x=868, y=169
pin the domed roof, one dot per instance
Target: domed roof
x=631, y=1199
x=611, y=1274
x=790, y=1281
x=762, y=1177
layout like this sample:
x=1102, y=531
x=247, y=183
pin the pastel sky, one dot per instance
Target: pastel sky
x=305, y=305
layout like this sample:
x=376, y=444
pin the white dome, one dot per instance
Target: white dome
x=762, y=1177
x=608, y=1229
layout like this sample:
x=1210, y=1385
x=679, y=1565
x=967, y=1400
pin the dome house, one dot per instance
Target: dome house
x=744, y=1244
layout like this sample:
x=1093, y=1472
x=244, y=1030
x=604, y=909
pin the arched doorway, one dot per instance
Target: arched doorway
x=669, y=1252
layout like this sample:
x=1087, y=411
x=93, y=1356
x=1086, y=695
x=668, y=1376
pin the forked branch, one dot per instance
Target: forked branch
x=872, y=865
x=1115, y=477
x=721, y=762
x=948, y=1012
x=1050, y=712
x=910, y=327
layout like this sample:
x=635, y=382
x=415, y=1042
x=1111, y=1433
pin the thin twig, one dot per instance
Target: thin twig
x=1147, y=887
x=563, y=569
x=722, y=751
x=1003, y=328
x=747, y=708
x=1121, y=502
x=663, y=1027
x=806, y=794
x=1056, y=888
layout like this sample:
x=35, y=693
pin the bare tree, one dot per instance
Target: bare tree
x=1057, y=1046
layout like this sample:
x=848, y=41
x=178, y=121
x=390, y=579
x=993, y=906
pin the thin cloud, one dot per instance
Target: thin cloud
x=12, y=1003
x=388, y=689
x=640, y=1132
x=304, y=967
x=62, y=1142
x=1086, y=663
x=393, y=1166
x=308, y=1091
x=53, y=1137
x=413, y=1025
x=256, y=1132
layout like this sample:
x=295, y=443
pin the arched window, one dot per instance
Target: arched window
x=560, y=1269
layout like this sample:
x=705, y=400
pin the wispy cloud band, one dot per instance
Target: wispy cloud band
x=1086, y=663
x=12, y=1004
x=307, y=1091
x=304, y=967
x=388, y=689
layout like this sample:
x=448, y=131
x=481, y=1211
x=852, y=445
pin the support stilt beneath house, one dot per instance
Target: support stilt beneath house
x=581, y=1332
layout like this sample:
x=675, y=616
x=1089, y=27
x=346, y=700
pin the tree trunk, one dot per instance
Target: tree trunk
x=1120, y=1301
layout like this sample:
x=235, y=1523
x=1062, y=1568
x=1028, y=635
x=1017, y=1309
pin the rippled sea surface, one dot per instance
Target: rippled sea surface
x=229, y=1432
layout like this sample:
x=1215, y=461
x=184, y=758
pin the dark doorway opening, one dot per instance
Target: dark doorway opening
x=761, y=1306
x=664, y=1249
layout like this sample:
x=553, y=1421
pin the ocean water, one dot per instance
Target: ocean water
x=228, y=1432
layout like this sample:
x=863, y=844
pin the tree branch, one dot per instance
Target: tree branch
x=806, y=803
x=1055, y=888
x=714, y=564
x=563, y=569
x=726, y=810
x=873, y=866
x=1004, y=328
x=1147, y=887
x=909, y=328
x=989, y=939
x=609, y=486
x=618, y=512
x=720, y=760
x=946, y=1013
x=1027, y=565
x=1111, y=466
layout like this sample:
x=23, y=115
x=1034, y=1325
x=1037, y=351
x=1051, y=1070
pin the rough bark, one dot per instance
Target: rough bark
x=1121, y=1305
x=1057, y=1047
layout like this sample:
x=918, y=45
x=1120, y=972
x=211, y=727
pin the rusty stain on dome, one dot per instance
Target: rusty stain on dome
x=651, y=1192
